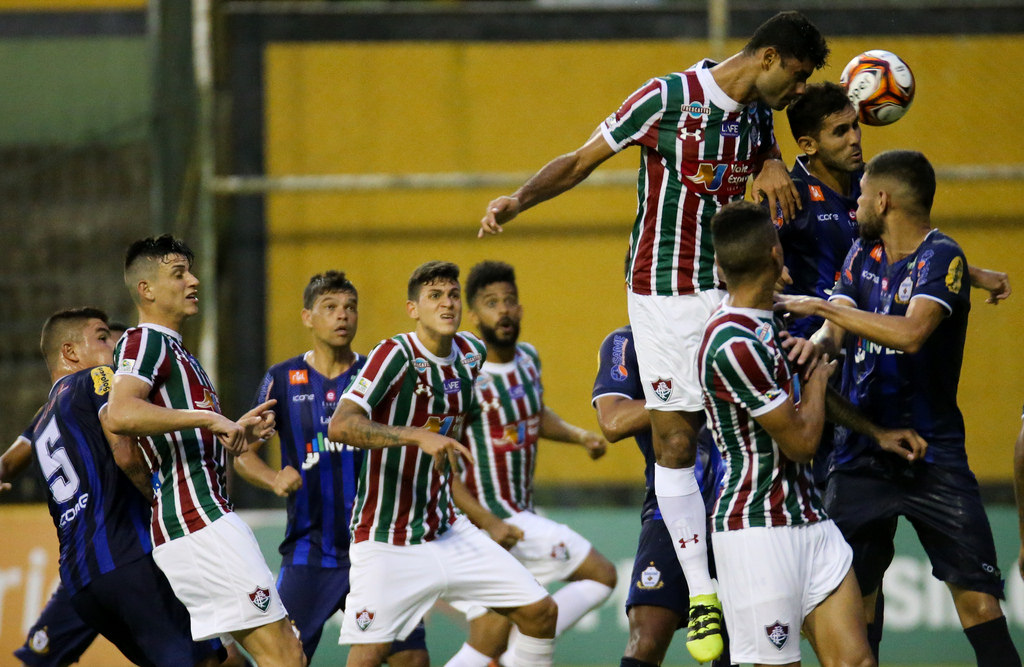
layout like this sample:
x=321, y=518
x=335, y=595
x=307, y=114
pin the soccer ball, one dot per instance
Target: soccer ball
x=880, y=86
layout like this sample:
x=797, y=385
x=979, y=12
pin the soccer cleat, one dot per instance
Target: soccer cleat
x=704, y=634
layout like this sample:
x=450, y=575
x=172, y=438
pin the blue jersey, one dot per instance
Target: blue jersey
x=897, y=389
x=619, y=375
x=816, y=241
x=319, y=512
x=102, y=520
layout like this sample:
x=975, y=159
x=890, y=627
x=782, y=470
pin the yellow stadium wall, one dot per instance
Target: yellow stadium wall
x=483, y=107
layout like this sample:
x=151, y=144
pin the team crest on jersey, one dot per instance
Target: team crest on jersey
x=905, y=290
x=650, y=579
x=778, y=634
x=298, y=377
x=364, y=618
x=452, y=385
x=560, y=552
x=472, y=359
x=662, y=389
x=420, y=364
x=102, y=377
x=39, y=642
x=260, y=598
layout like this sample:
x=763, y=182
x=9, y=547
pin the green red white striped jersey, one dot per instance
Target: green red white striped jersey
x=504, y=438
x=744, y=374
x=401, y=498
x=190, y=491
x=698, y=148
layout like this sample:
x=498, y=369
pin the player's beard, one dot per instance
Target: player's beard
x=494, y=339
x=871, y=228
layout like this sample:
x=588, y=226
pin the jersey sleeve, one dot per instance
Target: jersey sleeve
x=849, y=277
x=743, y=366
x=139, y=353
x=617, y=370
x=636, y=121
x=941, y=276
x=384, y=368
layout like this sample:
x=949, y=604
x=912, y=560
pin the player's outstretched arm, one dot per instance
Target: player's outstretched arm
x=132, y=463
x=554, y=178
x=14, y=462
x=996, y=283
x=555, y=428
x=903, y=442
x=798, y=430
x=501, y=532
x=621, y=417
x=1018, y=488
x=129, y=412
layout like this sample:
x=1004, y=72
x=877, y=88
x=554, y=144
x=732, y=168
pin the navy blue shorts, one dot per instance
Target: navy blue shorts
x=134, y=607
x=943, y=505
x=59, y=636
x=657, y=579
x=312, y=594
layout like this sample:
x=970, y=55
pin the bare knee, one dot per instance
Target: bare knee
x=537, y=619
x=973, y=607
x=650, y=633
x=366, y=655
x=596, y=568
x=675, y=437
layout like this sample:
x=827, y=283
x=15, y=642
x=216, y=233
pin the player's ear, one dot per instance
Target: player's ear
x=809, y=145
x=307, y=318
x=144, y=290
x=412, y=309
x=769, y=56
x=68, y=352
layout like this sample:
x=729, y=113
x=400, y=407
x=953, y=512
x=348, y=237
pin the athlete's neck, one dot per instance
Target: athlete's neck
x=437, y=344
x=756, y=294
x=501, y=354
x=330, y=361
x=834, y=179
x=903, y=234
x=736, y=76
x=171, y=321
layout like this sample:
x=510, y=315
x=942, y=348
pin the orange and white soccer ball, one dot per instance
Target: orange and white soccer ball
x=880, y=86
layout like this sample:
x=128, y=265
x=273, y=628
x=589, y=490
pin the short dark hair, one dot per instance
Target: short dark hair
x=818, y=101
x=327, y=282
x=65, y=325
x=487, y=273
x=429, y=272
x=743, y=234
x=156, y=248
x=911, y=168
x=117, y=325
x=792, y=35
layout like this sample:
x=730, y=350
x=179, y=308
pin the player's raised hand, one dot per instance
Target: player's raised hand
x=499, y=211
x=996, y=283
x=231, y=434
x=800, y=351
x=287, y=481
x=595, y=445
x=797, y=304
x=903, y=442
x=775, y=185
x=260, y=422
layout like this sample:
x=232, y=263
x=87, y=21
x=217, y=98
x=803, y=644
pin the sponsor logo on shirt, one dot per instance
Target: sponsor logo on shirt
x=102, y=377
x=298, y=377
x=452, y=385
x=696, y=134
x=472, y=359
x=695, y=109
x=331, y=396
x=778, y=634
x=731, y=128
x=955, y=275
x=420, y=364
x=816, y=193
x=517, y=391
x=482, y=380
x=764, y=333
x=619, y=371
x=72, y=512
x=302, y=398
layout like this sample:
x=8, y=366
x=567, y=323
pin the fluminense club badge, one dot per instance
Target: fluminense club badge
x=260, y=598
x=364, y=618
x=778, y=634
x=662, y=389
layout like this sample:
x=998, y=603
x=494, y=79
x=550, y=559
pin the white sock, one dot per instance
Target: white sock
x=575, y=599
x=468, y=657
x=533, y=651
x=682, y=507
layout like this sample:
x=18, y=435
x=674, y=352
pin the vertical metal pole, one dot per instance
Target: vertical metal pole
x=718, y=28
x=206, y=225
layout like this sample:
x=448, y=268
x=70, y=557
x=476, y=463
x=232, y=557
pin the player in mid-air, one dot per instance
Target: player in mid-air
x=903, y=300
x=317, y=475
x=408, y=407
x=162, y=396
x=783, y=566
x=94, y=481
x=703, y=133
x=503, y=439
x=658, y=598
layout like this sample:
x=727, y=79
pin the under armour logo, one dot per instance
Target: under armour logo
x=683, y=541
x=492, y=404
x=423, y=389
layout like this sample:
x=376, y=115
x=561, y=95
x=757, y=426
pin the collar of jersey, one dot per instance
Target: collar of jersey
x=715, y=94
x=164, y=330
x=421, y=349
x=749, y=312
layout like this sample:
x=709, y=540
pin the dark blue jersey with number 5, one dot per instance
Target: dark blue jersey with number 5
x=894, y=388
x=102, y=520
